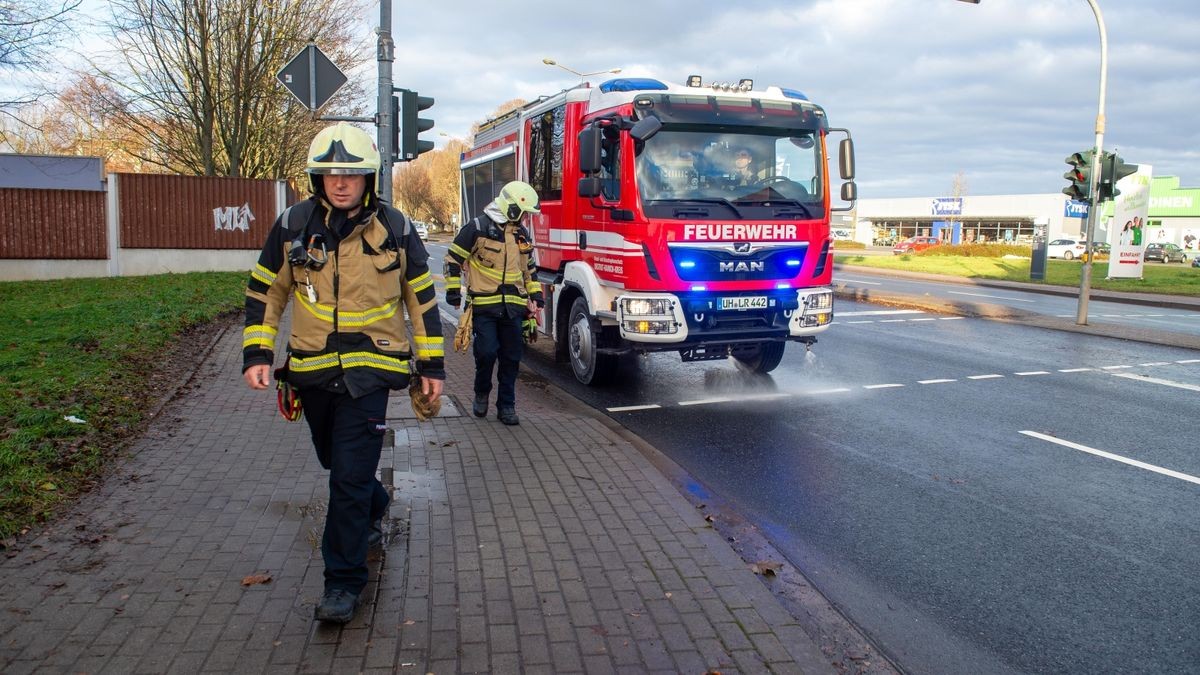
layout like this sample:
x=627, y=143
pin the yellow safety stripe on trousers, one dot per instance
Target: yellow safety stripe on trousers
x=510, y=298
x=260, y=335
x=301, y=364
x=460, y=251
x=348, y=319
x=421, y=282
x=488, y=272
x=429, y=347
x=263, y=274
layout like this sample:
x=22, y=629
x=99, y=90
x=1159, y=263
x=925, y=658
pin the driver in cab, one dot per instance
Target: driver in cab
x=743, y=172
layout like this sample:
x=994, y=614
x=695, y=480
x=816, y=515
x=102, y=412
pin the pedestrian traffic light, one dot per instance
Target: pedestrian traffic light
x=1079, y=176
x=409, y=104
x=1112, y=169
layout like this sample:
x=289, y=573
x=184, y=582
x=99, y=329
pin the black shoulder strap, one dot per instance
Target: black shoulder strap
x=388, y=214
x=295, y=218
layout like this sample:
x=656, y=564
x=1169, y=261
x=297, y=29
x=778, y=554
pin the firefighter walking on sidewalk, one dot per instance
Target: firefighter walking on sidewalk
x=349, y=263
x=495, y=254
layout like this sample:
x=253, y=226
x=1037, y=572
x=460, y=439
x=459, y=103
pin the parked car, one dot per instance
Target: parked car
x=1067, y=249
x=1196, y=261
x=914, y=244
x=1165, y=253
x=421, y=228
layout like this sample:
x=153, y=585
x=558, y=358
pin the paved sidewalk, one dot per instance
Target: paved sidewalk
x=555, y=546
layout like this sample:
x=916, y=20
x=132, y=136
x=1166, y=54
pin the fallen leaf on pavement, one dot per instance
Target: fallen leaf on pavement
x=255, y=579
x=767, y=568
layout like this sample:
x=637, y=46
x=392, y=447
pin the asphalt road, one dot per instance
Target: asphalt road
x=976, y=496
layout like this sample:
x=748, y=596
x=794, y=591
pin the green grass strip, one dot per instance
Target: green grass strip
x=87, y=349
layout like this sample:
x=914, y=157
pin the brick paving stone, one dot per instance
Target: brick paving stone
x=555, y=546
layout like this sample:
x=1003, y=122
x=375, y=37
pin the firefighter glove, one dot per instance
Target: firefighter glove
x=529, y=328
x=454, y=298
x=424, y=407
x=462, y=336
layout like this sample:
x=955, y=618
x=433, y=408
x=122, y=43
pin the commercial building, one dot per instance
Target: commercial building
x=1174, y=217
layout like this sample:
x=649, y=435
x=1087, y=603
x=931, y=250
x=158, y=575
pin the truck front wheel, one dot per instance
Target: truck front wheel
x=589, y=365
x=764, y=359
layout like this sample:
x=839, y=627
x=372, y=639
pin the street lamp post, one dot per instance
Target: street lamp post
x=1085, y=276
x=552, y=62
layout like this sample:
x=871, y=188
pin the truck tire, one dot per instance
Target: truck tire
x=590, y=367
x=765, y=359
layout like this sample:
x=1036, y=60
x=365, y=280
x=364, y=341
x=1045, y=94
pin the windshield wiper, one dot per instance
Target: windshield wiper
x=713, y=200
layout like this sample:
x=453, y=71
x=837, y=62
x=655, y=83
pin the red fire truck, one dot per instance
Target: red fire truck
x=657, y=233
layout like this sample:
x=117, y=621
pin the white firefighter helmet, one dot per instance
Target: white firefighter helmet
x=516, y=199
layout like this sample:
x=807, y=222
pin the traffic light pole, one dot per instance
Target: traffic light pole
x=385, y=51
x=1085, y=276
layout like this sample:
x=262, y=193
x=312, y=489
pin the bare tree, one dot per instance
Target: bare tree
x=196, y=79
x=28, y=31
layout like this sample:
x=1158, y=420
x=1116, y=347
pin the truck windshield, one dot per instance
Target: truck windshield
x=764, y=173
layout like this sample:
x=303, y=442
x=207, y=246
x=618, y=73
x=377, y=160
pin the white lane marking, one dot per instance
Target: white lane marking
x=1034, y=372
x=839, y=390
x=1074, y=370
x=893, y=320
x=881, y=312
x=1115, y=367
x=1189, y=361
x=934, y=381
x=705, y=401
x=860, y=281
x=1154, y=363
x=997, y=297
x=1155, y=380
x=953, y=318
x=990, y=376
x=925, y=319
x=766, y=397
x=849, y=322
x=1115, y=458
x=628, y=408
x=881, y=386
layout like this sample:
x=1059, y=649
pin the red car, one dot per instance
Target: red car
x=914, y=244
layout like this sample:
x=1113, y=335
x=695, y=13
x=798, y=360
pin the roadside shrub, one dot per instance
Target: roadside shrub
x=847, y=244
x=978, y=250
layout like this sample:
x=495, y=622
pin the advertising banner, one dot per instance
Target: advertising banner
x=1127, y=234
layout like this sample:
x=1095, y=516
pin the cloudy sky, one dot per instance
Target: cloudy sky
x=1001, y=91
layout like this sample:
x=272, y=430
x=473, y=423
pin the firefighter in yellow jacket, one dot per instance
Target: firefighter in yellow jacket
x=497, y=254
x=348, y=263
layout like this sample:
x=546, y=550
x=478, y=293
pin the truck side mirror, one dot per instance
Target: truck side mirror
x=846, y=158
x=645, y=128
x=589, y=151
x=849, y=192
x=589, y=186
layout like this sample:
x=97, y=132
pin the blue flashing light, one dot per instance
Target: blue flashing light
x=793, y=263
x=783, y=285
x=632, y=84
x=699, y=288
x=687, y=264
x=793, y=93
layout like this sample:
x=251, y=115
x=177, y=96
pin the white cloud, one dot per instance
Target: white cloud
x=1002, y=91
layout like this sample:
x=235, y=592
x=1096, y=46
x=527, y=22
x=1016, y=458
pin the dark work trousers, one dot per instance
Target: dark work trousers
x=498, y=338
x=347, y=433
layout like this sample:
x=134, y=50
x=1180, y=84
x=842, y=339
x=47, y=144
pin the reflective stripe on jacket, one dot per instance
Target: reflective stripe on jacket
x=351, y=325
x=499, y=266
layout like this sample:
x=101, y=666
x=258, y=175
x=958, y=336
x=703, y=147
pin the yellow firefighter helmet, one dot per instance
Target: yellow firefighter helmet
x=516, y=199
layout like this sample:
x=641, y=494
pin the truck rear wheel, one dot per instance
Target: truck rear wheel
x=589, y=365
x=764, y=359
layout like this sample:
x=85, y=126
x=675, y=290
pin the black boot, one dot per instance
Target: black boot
x=375, y=536
x=479, y=407
x=508, y=415
x=337, y=606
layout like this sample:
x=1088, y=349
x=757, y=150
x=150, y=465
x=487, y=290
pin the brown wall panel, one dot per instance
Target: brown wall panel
x=52, y=224
x=160, y=211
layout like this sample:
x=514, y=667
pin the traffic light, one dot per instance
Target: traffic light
x=1112, y=169
x=409, y=104
x=1079, y=175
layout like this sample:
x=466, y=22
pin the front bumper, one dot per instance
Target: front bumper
x=670, y=321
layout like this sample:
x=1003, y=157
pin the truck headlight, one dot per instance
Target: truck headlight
x=818, y=301
x=651, y=327
x=646, y=306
